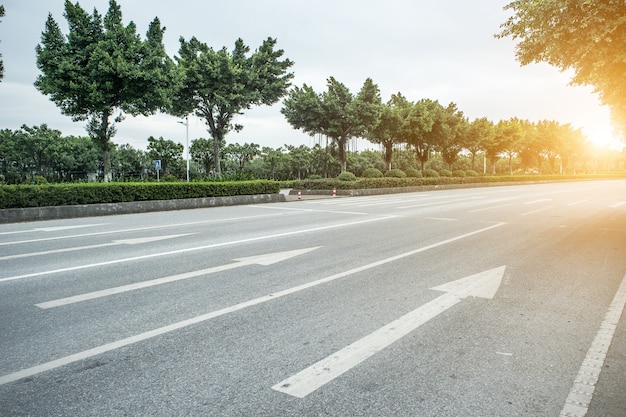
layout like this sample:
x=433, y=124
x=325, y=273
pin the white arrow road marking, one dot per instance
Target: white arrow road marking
x=579, y=398
x=102, y=245
x=264, y=260
x=198, y=248
x=483, y=285
x=24, y=373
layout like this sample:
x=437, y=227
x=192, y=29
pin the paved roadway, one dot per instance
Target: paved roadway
x=499, y=301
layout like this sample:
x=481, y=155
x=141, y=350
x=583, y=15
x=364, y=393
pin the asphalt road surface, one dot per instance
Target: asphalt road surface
x=496, y=301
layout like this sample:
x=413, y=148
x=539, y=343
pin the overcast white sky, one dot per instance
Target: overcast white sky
x=443, y=50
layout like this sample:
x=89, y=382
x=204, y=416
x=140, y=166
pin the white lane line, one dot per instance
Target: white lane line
x=541, y=200
x=24, y=373
x=490, y=208
x=442, y=202
x=528, y=213
x=102, y=245
x=575, y=203
x=313, y=210
x=52, y=229
x=581, y=394
x=265, y=260
x=176, y=252
x=443, y=219
x=138, y=229
x=618, y=204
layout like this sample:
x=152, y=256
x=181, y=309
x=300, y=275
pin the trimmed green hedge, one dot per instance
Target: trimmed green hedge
x=363, y=183
x=19, y=196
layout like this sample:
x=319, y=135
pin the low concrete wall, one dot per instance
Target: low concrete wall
x=88, y=210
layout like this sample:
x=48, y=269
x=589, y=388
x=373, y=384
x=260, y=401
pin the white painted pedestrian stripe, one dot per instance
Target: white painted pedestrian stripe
x=197, y=248
x=483, y=285
x=581, y=394
x=100, y=246
x=265, y=260
x=25, y=373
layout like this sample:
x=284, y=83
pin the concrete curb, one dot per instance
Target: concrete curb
x=88, y=210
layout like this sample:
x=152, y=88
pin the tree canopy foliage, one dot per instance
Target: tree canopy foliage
x=102, y=69
x=219, y=85
x=336, y=113
x=588, y=37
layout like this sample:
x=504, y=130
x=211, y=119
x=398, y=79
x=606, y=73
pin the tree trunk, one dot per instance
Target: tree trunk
x=388, y=154
x=341, y=143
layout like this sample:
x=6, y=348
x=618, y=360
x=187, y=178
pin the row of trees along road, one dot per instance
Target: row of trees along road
x=38, y=154
x=103, y=70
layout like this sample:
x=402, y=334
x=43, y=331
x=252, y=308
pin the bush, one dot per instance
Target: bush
x=18, y=196
x=314, y=177
x=372, y=173
x=413, y=173
x=395, y=173
x=445, y=173
x=430, y=173
x=459, y=173
x=346, y=176
x=471, y=173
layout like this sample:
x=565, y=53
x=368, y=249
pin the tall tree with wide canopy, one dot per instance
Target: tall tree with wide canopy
x=335, y=113
x=102, y=70
x=480, y=130
x=388, y=130
x=219, y=85
x=588, y=37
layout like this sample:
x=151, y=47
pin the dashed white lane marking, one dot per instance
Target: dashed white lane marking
x=581, y=394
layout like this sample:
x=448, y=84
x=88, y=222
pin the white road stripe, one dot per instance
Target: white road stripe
x=137, y=229
x=176, y=252
x=538, y=201
x=581, y=394
x=618, y=204
x=102, y=245
x=15, y=376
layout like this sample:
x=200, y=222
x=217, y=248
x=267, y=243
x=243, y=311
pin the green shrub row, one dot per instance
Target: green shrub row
x=390, y=182
x=19, y=196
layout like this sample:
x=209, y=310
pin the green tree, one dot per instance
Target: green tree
x=72, y=158
x=588, y=37
x=128, y=162
x=300, y=158
x=480, y=131
x=510, y=135
x=165, y=150
x=420, y=128
x=103, y=70
x=453, y=132
x=242, y=154
x=336, y=113
x=201, y=151
x=219, y=85
x=388, y=130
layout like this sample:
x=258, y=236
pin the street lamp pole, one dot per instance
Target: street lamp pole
x=186, y=123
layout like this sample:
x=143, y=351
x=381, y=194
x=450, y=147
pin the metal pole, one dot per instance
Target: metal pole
x=186, y=123
x=187, y=149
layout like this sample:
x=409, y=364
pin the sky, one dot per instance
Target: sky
x=441, y=50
